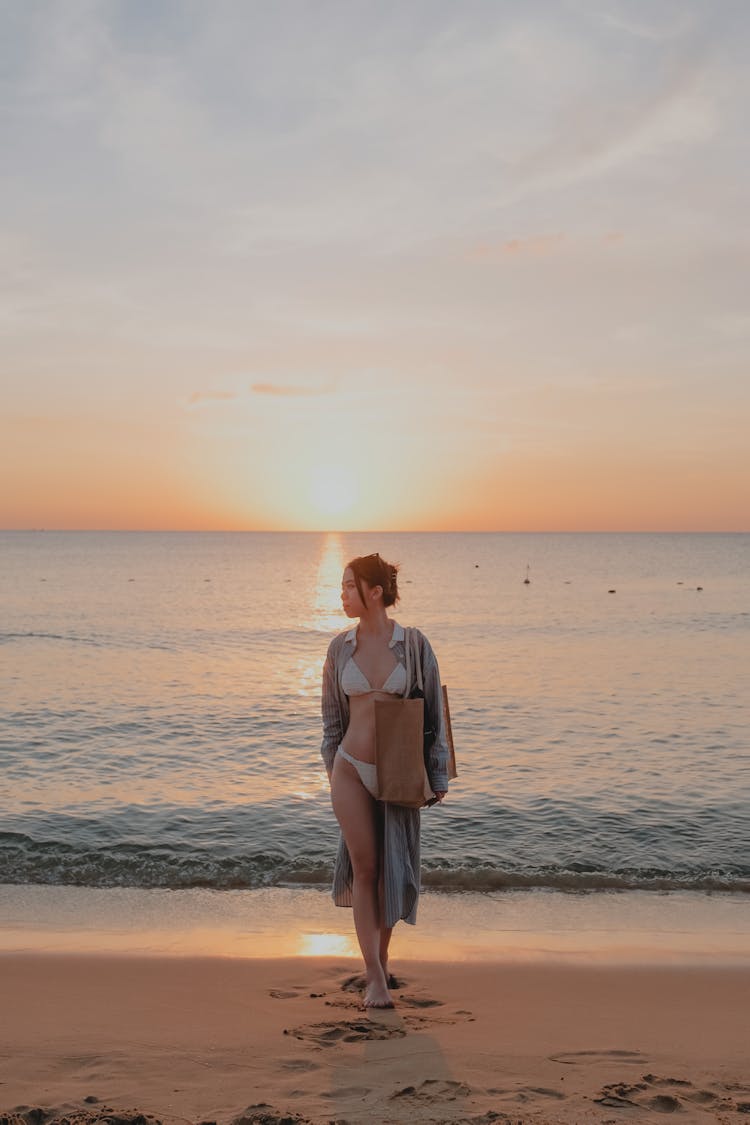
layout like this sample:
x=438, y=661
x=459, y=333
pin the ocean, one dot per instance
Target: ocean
x=160, y=719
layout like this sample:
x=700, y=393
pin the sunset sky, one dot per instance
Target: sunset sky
x=388, y=265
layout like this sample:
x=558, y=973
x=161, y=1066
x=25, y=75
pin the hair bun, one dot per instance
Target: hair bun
x=376, y=572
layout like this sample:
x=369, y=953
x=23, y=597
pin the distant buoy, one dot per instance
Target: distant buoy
x=476, y=566
x=527, y=580
x=699, y=587
x=680, y=583
x=611, y=591
x=131, y=579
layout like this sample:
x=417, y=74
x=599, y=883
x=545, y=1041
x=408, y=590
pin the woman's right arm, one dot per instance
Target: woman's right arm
x=332, y=732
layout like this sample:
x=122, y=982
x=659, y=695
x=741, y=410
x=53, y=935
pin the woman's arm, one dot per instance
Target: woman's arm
x=332, y=729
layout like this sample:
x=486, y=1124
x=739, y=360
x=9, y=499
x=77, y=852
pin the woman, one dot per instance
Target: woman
x=377, y=863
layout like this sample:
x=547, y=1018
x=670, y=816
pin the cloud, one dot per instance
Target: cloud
x=651, y=22
x=289, y=390
x=205, y=396
x=541, y=245
x=534, y=245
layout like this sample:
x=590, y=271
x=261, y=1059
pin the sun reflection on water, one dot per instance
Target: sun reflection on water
x=326, y=613
x=326, y=609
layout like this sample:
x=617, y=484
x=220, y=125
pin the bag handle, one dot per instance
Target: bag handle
x=417, y=661
x=407, y=654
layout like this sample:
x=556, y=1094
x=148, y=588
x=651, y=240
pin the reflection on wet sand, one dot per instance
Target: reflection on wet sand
x=326, y=945
x=518, y=926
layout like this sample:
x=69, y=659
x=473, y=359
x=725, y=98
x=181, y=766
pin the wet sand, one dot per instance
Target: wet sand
x=123, y=1038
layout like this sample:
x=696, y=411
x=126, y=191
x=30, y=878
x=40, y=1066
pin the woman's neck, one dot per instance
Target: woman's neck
x=376, y=625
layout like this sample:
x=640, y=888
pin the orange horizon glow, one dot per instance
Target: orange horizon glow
x=304, y=473
x=532, y=495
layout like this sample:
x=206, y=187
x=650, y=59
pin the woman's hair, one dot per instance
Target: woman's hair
x=376, y=572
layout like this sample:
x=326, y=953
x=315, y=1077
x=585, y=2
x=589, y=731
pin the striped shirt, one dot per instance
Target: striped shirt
x=401, y=854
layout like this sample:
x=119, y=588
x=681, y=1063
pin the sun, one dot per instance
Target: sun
x=332, y=490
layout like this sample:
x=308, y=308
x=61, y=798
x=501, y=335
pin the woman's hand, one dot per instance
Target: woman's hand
x=440, y=793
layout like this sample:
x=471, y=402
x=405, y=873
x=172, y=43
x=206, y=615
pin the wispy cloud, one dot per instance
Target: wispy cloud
x=291, y=390
x=535, y=245
x=657, y=22
x=209, y=396
x=542, y=245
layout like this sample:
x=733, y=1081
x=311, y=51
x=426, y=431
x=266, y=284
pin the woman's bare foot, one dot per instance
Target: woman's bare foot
x=391, y=981
x=376, y=992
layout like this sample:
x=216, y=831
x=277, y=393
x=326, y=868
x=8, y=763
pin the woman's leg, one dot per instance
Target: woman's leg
x=356, y=812
x=385, y=932
x=385, y=941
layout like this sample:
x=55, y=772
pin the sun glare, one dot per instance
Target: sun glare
x=332, y=490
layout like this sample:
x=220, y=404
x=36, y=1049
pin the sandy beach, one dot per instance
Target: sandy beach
x=120, y=1038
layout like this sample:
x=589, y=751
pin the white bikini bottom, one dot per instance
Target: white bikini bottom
x=367, y=771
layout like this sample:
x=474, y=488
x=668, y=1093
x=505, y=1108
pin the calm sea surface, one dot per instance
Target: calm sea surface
x=159, y=718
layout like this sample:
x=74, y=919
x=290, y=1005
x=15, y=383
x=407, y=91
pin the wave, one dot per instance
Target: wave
x=180, y=641
x=101, y=641
x=564, y=879
x=24, y=860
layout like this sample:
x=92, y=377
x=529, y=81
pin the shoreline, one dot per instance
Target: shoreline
x=284, y=1040
x=520, y=926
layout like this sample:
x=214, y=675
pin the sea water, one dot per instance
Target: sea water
x=160, y=715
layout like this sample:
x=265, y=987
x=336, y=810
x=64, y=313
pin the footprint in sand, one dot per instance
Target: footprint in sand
x=345, y=1031
x=35, y=1115
x=300, y=1064
x=358, y=983
x=617, y=1095
x=281, y=994
x=525, y=1093
x=621, y=1094
x=261, y=1113
x=418, y=1002
x=741, y=1090
x=664, y=1095
x=569, y=1058
x=432, y=1090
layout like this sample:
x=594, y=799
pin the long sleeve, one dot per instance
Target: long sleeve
x=332, y=724
x=438, y=755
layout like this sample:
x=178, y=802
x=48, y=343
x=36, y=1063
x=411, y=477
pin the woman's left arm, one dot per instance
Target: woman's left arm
x=332, y=727
x=438, y=754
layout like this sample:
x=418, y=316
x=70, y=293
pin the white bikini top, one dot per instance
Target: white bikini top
x=354, y=681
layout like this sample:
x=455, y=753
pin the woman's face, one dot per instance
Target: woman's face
x=350, y=598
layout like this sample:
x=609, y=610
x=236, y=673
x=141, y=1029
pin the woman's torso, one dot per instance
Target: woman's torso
x=375, y=664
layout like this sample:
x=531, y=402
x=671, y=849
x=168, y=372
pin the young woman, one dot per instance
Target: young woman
x=377, y=863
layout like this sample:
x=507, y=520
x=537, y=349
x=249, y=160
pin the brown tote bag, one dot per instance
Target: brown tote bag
x=399, y=760
x=399, y=743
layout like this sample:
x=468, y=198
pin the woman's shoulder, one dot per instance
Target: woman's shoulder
x=337, y=643
x=420, y=636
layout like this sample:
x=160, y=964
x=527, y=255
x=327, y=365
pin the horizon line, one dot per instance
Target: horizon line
x=376, y=531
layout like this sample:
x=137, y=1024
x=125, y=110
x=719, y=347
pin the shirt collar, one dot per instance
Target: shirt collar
x=398, y=635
